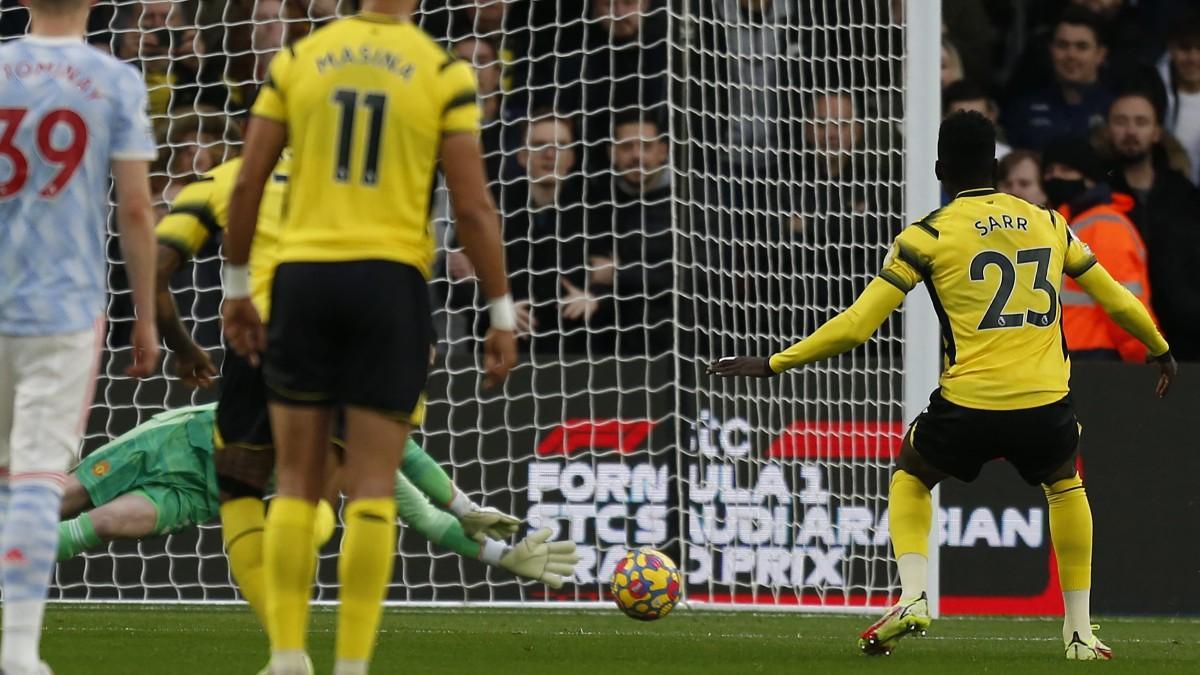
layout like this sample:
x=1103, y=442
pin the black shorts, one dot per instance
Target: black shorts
x=242, y=409
x=959, y=441
x=350, y=334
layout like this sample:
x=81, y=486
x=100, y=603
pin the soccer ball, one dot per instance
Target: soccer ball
x=646, y=584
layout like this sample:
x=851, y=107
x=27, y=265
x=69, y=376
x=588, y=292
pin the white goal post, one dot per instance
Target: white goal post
x=677, y=181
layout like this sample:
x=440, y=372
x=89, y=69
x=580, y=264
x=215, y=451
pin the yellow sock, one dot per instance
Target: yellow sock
x=325, y=525
x=290, y=565
x=1071, y=532
x=242, y=524
x=910, y=515
x=364, y=569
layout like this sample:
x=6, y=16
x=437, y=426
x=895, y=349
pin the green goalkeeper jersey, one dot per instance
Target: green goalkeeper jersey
x=168, y=459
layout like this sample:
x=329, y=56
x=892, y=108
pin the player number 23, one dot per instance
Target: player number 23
x=995, y=317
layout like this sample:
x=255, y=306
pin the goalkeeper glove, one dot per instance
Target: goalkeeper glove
x=484, y=522
x=536, y=558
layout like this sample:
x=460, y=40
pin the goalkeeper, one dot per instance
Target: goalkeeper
x=159, y=477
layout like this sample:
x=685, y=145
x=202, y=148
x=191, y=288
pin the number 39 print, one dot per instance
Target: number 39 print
x=67, y=158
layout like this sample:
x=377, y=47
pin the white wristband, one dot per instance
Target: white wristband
x=492, y=551
x=236, y=281
x=503, y=313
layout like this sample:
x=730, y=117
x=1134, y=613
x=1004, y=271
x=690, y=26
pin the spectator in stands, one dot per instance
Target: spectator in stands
x=1166, y=213
x=267, y=35
x=966, y=95
x=498, y=144
x=161, y=37
x=849, y=212
x=952, y=65
x=1078, y=100
x=198, y=141
x=1020, y=174
x=545, y=243
x=632, y=284
x=620, y=64
x=1099, y=217
x=1181, y=73
x=758, y=36
x=483, y=55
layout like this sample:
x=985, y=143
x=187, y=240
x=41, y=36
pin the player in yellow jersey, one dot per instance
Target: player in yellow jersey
x=369, y=105
x=993, y=265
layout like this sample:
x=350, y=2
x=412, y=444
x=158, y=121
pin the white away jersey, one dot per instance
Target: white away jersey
x=66, y=112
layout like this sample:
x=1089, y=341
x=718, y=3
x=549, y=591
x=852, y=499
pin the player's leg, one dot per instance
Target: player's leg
x=130, y=516
x=7, y=394
x=75, y=499
x=382, y=384
x=943, y=441
x=1071, y=535
x=51, y=394
x=910, y=517
x=244, y=461
x=302, y=438
x=1048, y=438
x=76, y=533
x=369, y=543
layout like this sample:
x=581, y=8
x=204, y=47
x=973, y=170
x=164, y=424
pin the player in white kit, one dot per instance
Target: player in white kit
x=69, y=115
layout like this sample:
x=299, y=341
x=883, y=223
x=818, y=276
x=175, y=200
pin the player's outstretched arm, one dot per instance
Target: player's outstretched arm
x=479, y=522
x=265, y=141
x=536, y=557
x=841, y=333
x=192, y=364
x=135, y=222
x=1128, y=312
x=478, y=229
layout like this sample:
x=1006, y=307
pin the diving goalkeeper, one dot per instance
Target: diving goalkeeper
x=159, y=478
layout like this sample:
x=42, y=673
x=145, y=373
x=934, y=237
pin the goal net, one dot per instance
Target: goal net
x=677, y=180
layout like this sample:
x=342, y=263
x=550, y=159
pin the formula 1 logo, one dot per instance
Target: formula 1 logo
x=624, y=436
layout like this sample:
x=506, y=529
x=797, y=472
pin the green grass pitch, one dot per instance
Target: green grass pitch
x=125, y=640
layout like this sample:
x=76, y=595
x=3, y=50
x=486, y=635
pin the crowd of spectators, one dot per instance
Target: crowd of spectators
x=789, y=142
x=1099, y=113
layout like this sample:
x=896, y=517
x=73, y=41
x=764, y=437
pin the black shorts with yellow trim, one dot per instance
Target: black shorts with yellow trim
x=354, y=333
x=958, y=441
x=242, y=417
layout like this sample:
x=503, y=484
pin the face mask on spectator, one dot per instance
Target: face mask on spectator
x=1062, y=191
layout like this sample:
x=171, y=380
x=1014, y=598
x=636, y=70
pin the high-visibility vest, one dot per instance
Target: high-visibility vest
x=1119, y=248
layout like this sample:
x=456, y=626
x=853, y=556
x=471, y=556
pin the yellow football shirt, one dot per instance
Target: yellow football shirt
x=993, y=265
x=201, y=211
x=366, y=101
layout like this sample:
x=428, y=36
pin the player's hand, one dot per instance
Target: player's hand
x=244, y=329
x=525, y=321
x=534, y=557
x=1167, y=370
x=577, y=305
x=484, y=522
x=748, y=366
x=499, y=356
x=459, y=266
x=194, y=367
x=145, y=349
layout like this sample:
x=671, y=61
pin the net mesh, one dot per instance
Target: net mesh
x=677, y=180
